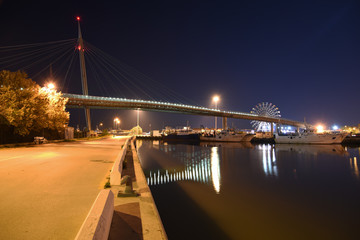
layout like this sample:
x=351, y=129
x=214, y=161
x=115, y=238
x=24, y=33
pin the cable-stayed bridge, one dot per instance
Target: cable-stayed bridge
x=87, y=101
x=81, y=101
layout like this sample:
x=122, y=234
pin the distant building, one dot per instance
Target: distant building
x=352, y=129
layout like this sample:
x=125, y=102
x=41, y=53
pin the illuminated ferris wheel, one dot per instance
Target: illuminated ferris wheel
x=264, y=109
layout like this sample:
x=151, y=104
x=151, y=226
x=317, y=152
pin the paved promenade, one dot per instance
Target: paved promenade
x=46, y=191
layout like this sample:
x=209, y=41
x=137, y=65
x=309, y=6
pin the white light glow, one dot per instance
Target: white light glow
x=50, y=86
x=320, y=128
x=216, y=99
x=215, y=169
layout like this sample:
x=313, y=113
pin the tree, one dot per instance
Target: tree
x=27, y=106
x=136, y=130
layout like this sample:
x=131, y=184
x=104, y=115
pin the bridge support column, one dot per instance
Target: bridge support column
x=88, y=119
x=224, y=123
x=272, y=129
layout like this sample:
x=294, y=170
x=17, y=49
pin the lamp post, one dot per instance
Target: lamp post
x=216, y=99
x=116, y=123
x=138, y=117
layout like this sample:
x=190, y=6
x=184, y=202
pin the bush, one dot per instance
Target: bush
x=107, y=185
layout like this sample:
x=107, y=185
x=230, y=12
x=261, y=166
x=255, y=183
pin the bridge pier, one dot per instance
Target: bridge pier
x=272, y=129
x=83, y=75
x=87, y=118
x=224, y=123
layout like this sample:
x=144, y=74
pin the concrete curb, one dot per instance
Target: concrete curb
x=115, y=174
x=98, y=221
x=161, y=233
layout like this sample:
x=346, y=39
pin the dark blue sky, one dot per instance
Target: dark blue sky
x=302, y=56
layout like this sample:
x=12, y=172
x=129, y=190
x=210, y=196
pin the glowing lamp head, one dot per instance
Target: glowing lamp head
x=335, y=127
x=78, y=18
x=320, y=128
x=216, y=99
x=50, y=86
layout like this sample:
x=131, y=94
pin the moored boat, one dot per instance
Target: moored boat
x=311, y=137
x=227, y=136
x=184, y=134
x=313, y=149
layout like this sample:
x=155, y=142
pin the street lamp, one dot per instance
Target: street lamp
x=116, y=123
x=216, y=99
x=138, y=117
x=50, y=86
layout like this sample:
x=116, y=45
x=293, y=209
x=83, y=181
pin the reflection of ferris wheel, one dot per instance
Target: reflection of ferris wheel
x=264, y=109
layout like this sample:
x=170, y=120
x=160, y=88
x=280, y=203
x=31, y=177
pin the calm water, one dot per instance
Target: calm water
x=245, y=191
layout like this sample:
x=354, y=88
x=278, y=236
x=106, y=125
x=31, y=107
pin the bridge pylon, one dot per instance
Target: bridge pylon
x=83, y=74
x=224, y=123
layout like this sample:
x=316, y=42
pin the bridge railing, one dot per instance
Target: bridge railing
x=77, y=100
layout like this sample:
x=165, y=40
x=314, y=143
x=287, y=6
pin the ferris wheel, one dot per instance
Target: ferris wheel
x=264, y=109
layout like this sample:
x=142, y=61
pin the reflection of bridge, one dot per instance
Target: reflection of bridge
x=204, y=170
x=204, y=166
x=81, y=101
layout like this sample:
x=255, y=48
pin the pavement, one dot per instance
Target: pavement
x=47, y=190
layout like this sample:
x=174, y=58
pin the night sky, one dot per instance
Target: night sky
x=302, y=56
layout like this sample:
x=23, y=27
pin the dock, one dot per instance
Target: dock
x=135, y=217
x=127, y=209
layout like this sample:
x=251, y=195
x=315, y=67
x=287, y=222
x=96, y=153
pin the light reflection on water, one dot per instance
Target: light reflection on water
x=203, y=168
x=215, y=169
x=354, y=166
x=269, y=160
x=302, y=191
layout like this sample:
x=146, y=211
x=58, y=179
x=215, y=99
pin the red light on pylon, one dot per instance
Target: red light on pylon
x=78, y=18
x=79, y=47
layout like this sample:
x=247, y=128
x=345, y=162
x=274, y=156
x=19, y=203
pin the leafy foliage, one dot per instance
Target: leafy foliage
x=27, y=106
x=136, y=130
x=105, y=132
x=107, y=184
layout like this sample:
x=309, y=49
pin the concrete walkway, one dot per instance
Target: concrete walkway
x=47, y=190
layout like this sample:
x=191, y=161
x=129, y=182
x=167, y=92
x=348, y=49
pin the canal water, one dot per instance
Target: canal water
x=246, y=191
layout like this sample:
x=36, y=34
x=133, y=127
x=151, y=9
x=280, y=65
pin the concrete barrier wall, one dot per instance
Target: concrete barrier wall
x=115, y=174
x=97, y=223
x=141, y=179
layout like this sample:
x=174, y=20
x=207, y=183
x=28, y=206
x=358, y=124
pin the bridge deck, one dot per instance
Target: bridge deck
x=79, y=101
